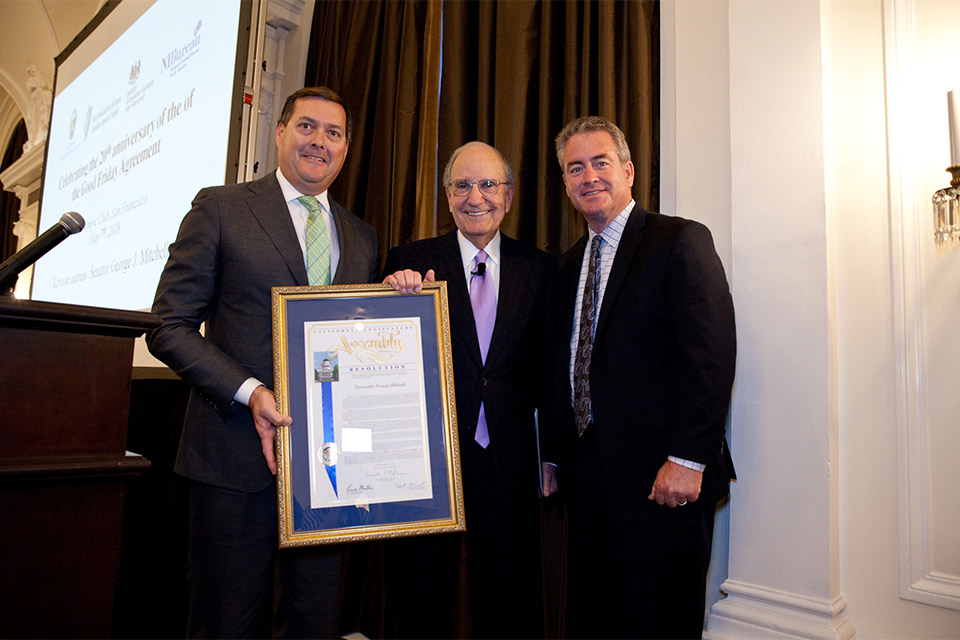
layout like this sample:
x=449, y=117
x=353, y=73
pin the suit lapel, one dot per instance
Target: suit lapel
x=513, y=290
x=345, y=238
x=269, y=208
x=629, y=241
x=569, y=279
x=450, y=268
x=570, y=267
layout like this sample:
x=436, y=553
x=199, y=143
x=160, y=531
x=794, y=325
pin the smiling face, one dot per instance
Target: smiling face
x=312, y=145
x=478, y=215
x=598, y=183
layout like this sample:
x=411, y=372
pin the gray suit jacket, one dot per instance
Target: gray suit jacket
x=235, y=243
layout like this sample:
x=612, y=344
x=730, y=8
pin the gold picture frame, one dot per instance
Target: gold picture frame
x=367, y=376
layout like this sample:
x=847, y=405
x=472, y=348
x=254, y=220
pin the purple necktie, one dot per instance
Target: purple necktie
x=483, y=299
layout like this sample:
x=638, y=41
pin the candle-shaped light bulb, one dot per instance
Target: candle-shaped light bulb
x=953, y=109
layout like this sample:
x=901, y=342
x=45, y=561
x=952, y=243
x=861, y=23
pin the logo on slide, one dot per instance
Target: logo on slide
x=177, y=58
x=73, y=123
x=134, y=73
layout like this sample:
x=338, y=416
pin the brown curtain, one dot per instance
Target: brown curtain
x=9, y=202
x=380, y=57
x=513, y=73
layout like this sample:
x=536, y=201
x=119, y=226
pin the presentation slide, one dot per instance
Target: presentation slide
x=140, y=122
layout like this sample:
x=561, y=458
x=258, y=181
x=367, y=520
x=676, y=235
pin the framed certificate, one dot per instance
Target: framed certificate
x=366, y=375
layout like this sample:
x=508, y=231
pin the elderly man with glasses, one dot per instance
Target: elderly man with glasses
x=498, y=291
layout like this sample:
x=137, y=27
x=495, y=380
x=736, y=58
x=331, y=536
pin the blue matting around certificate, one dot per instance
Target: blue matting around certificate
x=359, y=309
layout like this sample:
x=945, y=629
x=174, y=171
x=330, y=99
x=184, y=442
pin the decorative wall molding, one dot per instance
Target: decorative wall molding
x=23, y=178
x=37, y=116
x=285, y=13
x=754, y=611
x=281, y=18
x=919, y=580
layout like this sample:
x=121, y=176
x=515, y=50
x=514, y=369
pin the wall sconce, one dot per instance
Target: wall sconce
x=946, y=202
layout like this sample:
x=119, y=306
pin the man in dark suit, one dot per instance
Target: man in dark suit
x=647, y=350
x=497, y=378
x=237, y=242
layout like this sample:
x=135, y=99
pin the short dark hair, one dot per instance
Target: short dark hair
x=314, y=92
x=589, y=124
x=507, y=169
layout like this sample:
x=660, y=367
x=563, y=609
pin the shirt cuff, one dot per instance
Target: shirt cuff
x=246, y=390
x=689, y=464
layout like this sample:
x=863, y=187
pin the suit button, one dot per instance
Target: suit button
x=483, y=381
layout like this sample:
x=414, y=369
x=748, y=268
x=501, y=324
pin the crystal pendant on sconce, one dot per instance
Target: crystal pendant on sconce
x=946, y=211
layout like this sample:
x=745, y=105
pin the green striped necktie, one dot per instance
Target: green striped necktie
x=318, y=246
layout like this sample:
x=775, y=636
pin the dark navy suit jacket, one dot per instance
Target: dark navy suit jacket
x=511, y=383
x=663, y=360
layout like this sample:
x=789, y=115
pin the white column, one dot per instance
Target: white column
x=783, y=573
x=285, y=45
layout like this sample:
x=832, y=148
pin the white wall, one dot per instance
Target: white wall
x=899, y=358
x=845, y=408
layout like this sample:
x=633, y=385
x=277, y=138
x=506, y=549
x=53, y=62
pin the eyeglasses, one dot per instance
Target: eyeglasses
x=487, y=187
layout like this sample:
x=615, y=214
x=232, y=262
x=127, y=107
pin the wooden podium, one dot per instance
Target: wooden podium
x=64, y=407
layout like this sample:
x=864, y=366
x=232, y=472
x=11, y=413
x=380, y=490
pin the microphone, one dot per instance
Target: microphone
x=481, y=269
x=69, y=223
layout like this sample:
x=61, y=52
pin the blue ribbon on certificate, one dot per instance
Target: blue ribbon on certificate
x=328, y=435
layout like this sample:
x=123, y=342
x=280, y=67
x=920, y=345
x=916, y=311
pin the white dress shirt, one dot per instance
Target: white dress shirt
x=468, y=253
x=299, y=215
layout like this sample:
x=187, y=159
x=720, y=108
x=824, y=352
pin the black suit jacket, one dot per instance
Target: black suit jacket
x=663, y=359
x=511, y=383
x=235, y=243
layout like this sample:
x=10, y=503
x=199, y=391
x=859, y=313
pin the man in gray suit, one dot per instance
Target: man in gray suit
x=237, y=242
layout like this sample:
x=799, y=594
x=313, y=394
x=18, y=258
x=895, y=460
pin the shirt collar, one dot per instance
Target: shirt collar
x=290, y=192
x=614, y=230
x=468, y=251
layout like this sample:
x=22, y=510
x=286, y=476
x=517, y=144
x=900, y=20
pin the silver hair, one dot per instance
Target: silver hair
x=589, y=124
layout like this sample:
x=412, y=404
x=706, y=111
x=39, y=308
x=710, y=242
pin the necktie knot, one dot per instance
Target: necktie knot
x=595, y=245
x=477, y=261
x=318, y=246
x=311, y=203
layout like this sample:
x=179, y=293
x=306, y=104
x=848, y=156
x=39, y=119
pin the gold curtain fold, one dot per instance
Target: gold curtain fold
x=428, y=187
